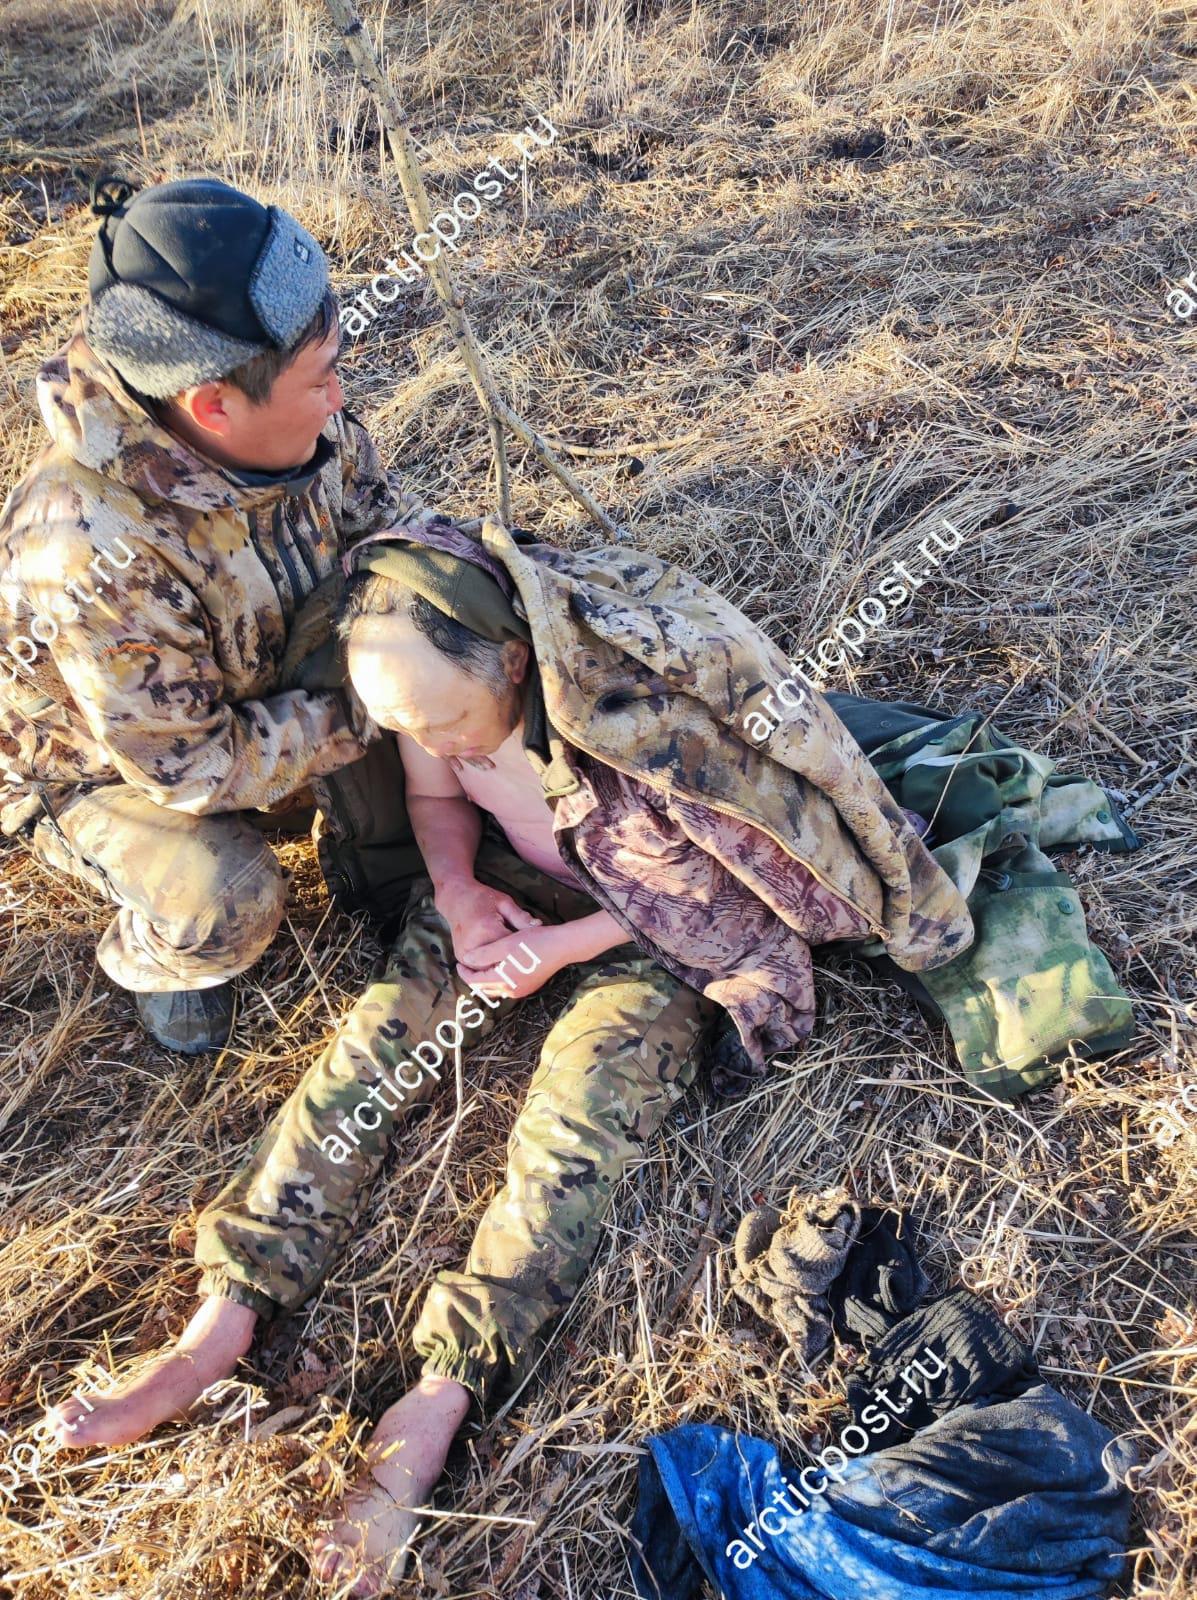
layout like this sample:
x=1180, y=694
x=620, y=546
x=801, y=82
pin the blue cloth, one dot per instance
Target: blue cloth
x=1003, y=1497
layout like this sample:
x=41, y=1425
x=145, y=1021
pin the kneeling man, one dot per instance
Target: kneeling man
x=582, y=796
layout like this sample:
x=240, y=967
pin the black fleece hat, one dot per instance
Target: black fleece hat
x=188, y=280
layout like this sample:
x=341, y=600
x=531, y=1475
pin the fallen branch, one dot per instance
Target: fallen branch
x=1164, y=783
x=496, y=410
x=600, y=451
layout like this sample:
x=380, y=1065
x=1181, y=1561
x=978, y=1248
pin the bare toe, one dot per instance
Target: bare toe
x=369, y=1541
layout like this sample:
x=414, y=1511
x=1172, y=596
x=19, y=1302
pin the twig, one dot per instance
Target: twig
x=1118, y=743
x=1164, y=783
x=1067, y=719
x=498, y=413
x=627, y=449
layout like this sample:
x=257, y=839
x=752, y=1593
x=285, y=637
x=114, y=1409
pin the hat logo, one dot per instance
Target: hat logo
x=301, y=250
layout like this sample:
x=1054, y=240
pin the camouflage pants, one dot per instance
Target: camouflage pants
x=200, y=897
x=619, y=1057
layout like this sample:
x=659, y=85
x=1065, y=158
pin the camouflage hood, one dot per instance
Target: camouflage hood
x=94, y=419
x=650, y=672
x=147, y=597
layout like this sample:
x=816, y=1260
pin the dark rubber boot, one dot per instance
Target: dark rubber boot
x=188, y=1020
x=730, y=1065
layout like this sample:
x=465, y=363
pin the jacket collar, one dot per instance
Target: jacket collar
x=91, y=414
x=543, y=745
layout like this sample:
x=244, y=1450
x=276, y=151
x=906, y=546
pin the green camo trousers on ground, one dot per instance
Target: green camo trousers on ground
x=619, y=1057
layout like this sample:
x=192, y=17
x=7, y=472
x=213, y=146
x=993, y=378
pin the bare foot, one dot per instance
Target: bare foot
x=210, y=1346
x=378, y=1516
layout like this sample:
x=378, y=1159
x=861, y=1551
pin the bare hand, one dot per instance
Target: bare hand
x=496, y=969
x=478, y=915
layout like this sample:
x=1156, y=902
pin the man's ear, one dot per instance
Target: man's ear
x=205, y=404
x=514, y=656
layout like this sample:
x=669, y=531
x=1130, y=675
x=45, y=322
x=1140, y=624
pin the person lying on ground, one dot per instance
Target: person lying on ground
x=581, y=805
x=201, y=482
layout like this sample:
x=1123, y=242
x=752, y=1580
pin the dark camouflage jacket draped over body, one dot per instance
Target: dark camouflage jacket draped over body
x=146, y=597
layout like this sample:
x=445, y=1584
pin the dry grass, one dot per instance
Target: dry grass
x=881, y=263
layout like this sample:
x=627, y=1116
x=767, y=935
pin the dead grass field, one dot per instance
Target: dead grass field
x=869, y=263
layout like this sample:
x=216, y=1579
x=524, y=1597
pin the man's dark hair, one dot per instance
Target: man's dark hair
x=255, y=377
x=371, y=594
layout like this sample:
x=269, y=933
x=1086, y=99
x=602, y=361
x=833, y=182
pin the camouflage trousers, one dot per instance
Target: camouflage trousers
x=619, y=1057
x=200, y=898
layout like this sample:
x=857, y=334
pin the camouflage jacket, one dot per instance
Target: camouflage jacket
x=146, y=596
x=646, y=670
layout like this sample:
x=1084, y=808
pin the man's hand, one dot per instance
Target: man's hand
x=494, y=968
x=555, y=947
x=478, y=916
x=310, y=659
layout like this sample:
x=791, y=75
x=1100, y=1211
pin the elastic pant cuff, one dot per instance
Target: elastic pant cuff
x=471, y=1373
x=217, y=1282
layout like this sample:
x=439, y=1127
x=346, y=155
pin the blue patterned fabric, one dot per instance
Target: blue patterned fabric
x=1009, y=1497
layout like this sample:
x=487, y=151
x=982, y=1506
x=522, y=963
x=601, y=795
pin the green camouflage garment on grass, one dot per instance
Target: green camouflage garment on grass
x=1031, y=986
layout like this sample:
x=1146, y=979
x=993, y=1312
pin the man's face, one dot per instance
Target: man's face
x=279, y=433
x=410, y=686
x=282, y=432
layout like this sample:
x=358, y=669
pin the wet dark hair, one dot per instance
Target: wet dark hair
x=371, y=594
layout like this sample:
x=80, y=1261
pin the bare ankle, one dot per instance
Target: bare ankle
x=448, y=1391
x=220, y=1328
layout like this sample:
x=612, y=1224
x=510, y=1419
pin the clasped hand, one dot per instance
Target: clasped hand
x=489, y=928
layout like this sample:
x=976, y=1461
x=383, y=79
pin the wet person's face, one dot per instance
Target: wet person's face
x=408, y=685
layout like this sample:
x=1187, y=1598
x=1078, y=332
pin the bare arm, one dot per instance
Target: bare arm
x=583, y=939
x=447, y=830
x=559, y=945
x=448, y=825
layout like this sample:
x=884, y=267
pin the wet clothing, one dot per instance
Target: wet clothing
x=959, y=1475
x=786, y=1262
x=979, y=1356
x=998, y=1498
x=624, y=1048
x=881, y=1281
x=826, y=1264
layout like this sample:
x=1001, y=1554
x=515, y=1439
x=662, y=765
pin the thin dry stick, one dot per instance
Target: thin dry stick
x=498, y=413
x=632, y=449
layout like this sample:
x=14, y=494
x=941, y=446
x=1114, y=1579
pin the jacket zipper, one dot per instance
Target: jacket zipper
x=275, y=574
x=303, y=539
x=279, y=535
x=738, y=816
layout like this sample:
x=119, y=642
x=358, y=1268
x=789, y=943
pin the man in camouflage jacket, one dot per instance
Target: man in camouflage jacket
x=200, y=482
